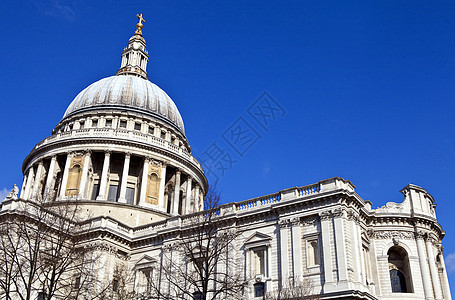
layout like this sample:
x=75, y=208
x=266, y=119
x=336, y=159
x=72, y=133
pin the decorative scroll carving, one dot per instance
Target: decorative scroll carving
x=405, y=235
x=309, y=221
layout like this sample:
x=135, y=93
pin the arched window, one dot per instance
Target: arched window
x=74, y=178
x=399, y=271
x=398, y=281
x=153, y=187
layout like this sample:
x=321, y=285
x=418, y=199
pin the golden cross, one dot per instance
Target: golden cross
x=141, y=19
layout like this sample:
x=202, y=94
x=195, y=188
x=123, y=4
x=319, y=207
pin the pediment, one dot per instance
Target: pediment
x=257, y=239
x=145, y=261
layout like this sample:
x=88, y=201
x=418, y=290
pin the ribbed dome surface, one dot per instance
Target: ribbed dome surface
x=127, y=92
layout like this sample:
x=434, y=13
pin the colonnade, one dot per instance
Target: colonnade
x=81, y=175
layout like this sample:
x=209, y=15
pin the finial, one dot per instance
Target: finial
x=139, y=25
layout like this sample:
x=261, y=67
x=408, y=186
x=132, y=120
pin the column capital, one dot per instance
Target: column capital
x=295, y=221
x=283, y=223
x=128, y=154
x=87, y=152
x=338, y=213
x=420, y=234
x=107, y=152
x=325, y=215
x=40, y=161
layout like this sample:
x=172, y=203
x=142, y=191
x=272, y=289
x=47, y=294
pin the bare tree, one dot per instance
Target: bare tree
x=42, y=251
x=200, y=262
x=294, y=289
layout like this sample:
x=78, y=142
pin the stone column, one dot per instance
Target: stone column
x=104, y=176
x=28, y=186
x=340, y=244
x=326, y=252
x=161, y=203
x=423, y=265
x=145, y=170
x=50, y=177
x=83, y=183
x=24, y=183
x=126, y=167
x=36, y=185
x=445, y=279
x=296, y=249
x=284, y=251
x=196, y=199
x=433, y=270
x=175, y=205
x=188, y=195
x=65, y=175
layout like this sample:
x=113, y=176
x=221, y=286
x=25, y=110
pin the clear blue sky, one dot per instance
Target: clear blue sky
x=367, y=88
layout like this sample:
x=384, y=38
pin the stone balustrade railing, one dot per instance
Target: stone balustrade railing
x=291, y=194
x=120, y=133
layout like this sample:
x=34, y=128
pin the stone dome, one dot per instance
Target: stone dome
x=127, y=92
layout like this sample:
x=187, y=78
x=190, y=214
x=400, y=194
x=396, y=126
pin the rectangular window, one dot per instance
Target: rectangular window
x=122, y=124
x=312, y=253
x=137, y=126
x=129, y=195
x=259, y=289
x=82, y=124
x=115, y=285
x=94, y=123
x=151, y=129
x=148, y=279
x=258, y=262
x=108, y=122
x=77, y=282
x=95, y=191
x=113, y=191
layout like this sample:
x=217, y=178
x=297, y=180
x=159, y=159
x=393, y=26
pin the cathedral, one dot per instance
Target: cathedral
x=120, y=153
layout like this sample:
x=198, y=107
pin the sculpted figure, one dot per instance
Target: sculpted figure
x=13, y=193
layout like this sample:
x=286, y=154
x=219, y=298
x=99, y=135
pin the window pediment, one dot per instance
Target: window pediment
x=145, y=261
x=257, y=240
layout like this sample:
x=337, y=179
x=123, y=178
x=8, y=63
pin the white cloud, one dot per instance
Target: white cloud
x=3, y=193
x=450, y=262
x=56, y=8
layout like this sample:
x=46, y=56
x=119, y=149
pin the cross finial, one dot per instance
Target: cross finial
x=141, y=19
x=139, y=25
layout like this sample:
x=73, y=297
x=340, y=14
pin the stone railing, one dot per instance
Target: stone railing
x=129, y=135
x=229, y=209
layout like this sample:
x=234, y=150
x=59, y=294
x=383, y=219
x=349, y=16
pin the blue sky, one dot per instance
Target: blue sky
x=366, y=87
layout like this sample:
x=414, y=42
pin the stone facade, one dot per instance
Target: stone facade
x=120, y=151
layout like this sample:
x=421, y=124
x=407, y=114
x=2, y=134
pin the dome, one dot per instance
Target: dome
x=130, y=93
